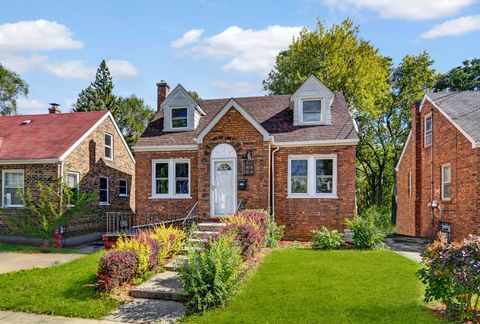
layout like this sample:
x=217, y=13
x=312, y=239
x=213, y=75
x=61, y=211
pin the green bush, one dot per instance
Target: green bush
x=210, y=275
x=325, y=239
x=370, y=229
x=273, y=233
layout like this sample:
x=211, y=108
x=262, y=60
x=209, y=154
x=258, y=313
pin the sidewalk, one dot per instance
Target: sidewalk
x=13, y=261
x=7, y=317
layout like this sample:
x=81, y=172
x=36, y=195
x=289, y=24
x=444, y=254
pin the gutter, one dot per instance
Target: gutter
x=273, y=181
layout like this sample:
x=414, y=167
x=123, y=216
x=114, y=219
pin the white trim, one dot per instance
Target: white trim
x=426, y=97
x=166, y=148
x=3, y=186
x=105, y=146
x=77, y=175
x=311, y=176
x=443, y=182
x=212, y=181
x=314, y=78
x=322, y=110
x=427, y=116
x=232, y=104
x=397, y=167
x=126, y=187
x=37, y=161
x=171, y=118
x=105, y=203
x=172, y=94
x=171, y=179
x=90, y=131
x=318, y=143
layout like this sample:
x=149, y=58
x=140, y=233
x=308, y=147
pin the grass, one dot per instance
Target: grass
x=294, y=285
x=33, y=249
x=59, y=290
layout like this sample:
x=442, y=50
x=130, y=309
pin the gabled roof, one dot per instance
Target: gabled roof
x=47, y=137
x=462, y=109
x=272, y=113
x=180, y=89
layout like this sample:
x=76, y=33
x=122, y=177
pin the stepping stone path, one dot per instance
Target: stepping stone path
x=160, y=299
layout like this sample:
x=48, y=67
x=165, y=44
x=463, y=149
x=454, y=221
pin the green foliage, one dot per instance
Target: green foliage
x=326, y=240
x=210, y=275
x=132, y=115
x=461, y=78
x=273, y=233
x=194, y=95
x=50, y=207
x=340, y=59
x=170, y=240
x=143, y=251
x=452, y=276
x=11, y=85
x=370, y=229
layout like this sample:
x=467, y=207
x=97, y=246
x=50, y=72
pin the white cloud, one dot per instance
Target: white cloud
x=246, y=49
x=121, y=69
x=454, y=27
x=31, y=106
x=233, y=87
x=36, y=35
x=190, y=37
x=70, y=69
x=404, y=9
x=21, y=64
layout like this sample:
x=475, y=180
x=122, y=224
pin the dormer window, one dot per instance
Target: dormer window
x=179, y=118
x=311, y=111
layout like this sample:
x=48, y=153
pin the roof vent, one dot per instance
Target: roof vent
x=26, y=122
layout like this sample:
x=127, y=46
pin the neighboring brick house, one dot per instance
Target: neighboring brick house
x=86, y=149
x=291, y=154
x=438, y=174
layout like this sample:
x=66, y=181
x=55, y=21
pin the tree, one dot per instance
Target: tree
x=11, y=85
x=461, y=78
x=99, y=94
x=195, y=95
x=132, y=116
x=340, y=59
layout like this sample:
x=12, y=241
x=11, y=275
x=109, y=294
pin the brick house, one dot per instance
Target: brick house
x=291, y=154
x=86, y=149
x=438, y=179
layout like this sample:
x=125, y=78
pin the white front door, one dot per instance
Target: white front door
x=223, y=188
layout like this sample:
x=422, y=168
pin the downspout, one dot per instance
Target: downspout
x=273, y=181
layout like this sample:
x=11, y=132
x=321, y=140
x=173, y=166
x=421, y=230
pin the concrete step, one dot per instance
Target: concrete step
x=165, y=286
x=184, y=250
x=203, y=234
x=197, y=241
x=210, y=226
x=176, y=263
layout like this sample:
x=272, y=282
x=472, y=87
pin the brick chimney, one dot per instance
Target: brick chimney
x=162, y=92
x=54, y=109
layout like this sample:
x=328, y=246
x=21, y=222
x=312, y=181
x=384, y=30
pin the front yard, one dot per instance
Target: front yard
x=294, y=285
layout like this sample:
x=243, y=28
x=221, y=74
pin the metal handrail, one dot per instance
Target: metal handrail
x=240, y=206
x=192, y=214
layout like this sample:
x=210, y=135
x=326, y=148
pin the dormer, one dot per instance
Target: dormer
x=180, y=111
x=312, y=103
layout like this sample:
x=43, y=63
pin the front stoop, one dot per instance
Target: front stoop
x=165, y=286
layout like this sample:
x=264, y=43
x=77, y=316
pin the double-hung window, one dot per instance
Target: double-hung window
x=311, y=111
x=446, y=182
x=12, y=188
x=123, y=188
x=179, y=117
x=428, y=130
x=104, y=191
x=73, y=182
x=108, y=146
x=312, y=176
x=171, y=178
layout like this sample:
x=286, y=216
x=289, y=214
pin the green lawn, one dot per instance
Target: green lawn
x=58, y=290
x=306, y=286
x=32, y=248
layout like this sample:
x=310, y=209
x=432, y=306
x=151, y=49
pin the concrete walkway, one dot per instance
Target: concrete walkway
x=410, y=247
x=7, y=317
x=13, y=261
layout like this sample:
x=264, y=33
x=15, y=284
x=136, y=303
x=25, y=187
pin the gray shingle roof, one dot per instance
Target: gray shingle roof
x=463, y=108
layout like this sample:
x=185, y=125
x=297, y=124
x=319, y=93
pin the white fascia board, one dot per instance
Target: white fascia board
x=403, y=151
x=232, y=104
x=318, y=143
x=165, y=148
x=30, y=161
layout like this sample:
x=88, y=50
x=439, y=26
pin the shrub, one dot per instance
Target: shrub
x=273, y=233
x=141, y=245
x=170, y=240
x=210, y=275
x=116, y=268
x=370, y=229
x=248, y=228
x=325, y=239
x=452, y=276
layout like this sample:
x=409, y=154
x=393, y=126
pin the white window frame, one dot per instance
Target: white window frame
x=429, y=116
x=444, y=166
x=171, y=179
x=311, y=176
x=108, y=146
x=77, y=176
x=171, y=117
x=300, y=110
x=126, y=188
x=3, y=187
x=103, y=203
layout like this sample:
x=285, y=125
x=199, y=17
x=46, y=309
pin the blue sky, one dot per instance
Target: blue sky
x=218, y=48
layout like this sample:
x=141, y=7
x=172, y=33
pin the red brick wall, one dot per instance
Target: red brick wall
x=448, y=146
x=302, y=215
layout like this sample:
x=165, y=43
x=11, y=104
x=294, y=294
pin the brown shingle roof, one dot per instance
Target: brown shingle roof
x=272, y=112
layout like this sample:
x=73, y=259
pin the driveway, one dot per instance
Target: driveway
x=12, y=261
